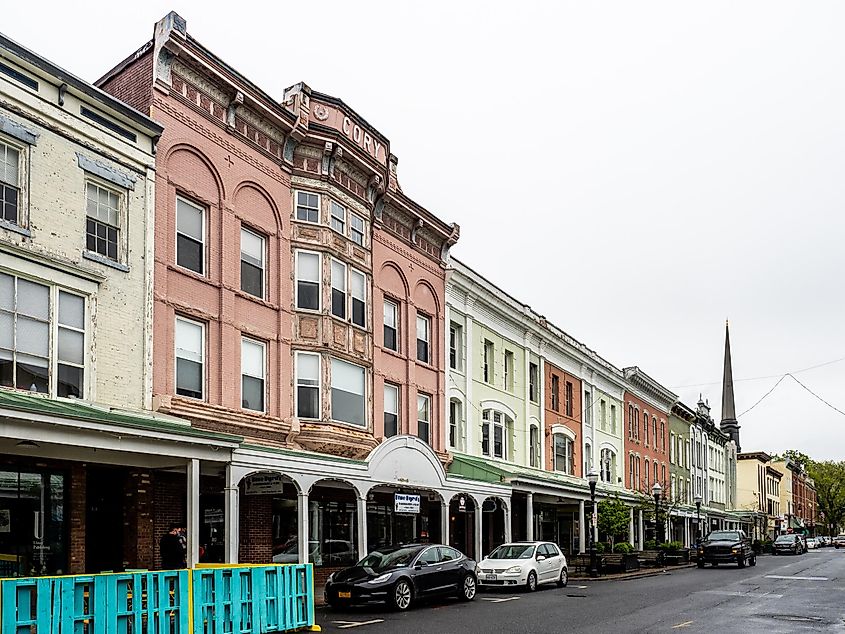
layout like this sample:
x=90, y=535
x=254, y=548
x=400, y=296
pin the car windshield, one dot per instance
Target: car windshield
x=512, y=551
x=785, y=539
x=724, y=536
x=389, y=558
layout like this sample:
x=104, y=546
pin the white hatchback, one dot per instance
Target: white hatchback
x=525, y=564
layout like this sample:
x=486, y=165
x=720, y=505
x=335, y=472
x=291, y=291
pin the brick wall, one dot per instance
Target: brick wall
x=134, y=84
x=138, y=526
x=170, y=494
x=78, y=506
x=256, y=529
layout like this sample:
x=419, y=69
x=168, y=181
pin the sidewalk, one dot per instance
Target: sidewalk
x=650, y=572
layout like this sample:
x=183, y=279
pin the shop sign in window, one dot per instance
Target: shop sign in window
x=406, y=503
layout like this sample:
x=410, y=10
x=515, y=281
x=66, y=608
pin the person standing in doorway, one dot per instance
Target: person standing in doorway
x=171, y=549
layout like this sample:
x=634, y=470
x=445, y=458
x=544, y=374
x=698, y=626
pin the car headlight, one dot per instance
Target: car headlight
x=514, y=570
x=381, y=578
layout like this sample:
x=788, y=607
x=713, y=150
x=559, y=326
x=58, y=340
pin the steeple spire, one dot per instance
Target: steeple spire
x=729, y=423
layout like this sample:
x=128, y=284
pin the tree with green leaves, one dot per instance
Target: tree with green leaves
x=829, y=477
x=797, y=458
x=614, y=519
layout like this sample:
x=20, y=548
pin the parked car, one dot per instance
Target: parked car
x=526, y=564
x=812, y=543
x=403, y=574
x=788, y=544
x=839, y=541
x=726, y=547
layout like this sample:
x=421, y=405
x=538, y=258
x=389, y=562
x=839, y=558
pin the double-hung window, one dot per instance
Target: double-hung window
x=424, y=417
x=564, y=454
x=307, y=207
x=10, y=189
x=588, y=409
x=338, y=219
x=613, y=419
x=455, y=345
x=102, y=208
x=534, y=442
x=493, y=437
x=423, y=339
x=190, y=235
x=29, y=321
x=307, y=385
x=391, y=410
x=252, y=263
x=533, y=375
x=391, y=325
x=555, y=392
x=569, y=396
x=608, y=465
x=356, y=229
x=252, y=374
x=338, y=289
x=190, y=358
x=488, y=361
x=508, y=371
x=307, y=280
x=454, y=423
x=348, y=393
x=358, y=297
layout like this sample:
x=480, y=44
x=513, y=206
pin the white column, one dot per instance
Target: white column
x=444, y=523
x=640, y=533
x=631, y=539
x=529, y=517
x=582, y=533
x=687, y=540
x=231, y=497
x=304, y=532
x=507, y=513
x=470, y=415
x=193, y=514
x=361, y=506
x=478, y=527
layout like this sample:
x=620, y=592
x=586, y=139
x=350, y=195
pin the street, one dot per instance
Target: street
x=780, y=594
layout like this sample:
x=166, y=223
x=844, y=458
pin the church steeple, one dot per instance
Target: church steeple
x=729, y=424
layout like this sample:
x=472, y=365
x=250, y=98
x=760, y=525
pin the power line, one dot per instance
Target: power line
x=759, y=378
x=762, y=398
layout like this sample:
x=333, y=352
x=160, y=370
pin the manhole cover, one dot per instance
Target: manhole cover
x=796, y=618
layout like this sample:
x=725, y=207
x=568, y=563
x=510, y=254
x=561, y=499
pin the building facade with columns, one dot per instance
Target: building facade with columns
x=300, y=304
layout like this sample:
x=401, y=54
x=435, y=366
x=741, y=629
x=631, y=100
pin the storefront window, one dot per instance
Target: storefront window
x=333, y=527
x=386, y=527
x=32, y=524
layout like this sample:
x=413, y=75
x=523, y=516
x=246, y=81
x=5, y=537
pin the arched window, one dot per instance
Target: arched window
x=663, y=436
x=645, y=473
x=564, y=454
x=455, y=424
x=645, y=428
x=654, y=430
x=588, y=458
x=656, y=479
x=632, y=482
x=608, y=465
x=534, y=441
x=631, y=421
x=494, y=433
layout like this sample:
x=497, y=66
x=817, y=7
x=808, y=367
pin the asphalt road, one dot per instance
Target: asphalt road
x=781, y=594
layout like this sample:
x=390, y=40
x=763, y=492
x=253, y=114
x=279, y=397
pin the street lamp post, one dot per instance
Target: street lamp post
x=592, y=478
x=656, y=490
x=698, y=500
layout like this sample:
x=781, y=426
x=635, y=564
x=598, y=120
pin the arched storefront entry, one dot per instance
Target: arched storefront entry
x=462, y=523
x=493, y=519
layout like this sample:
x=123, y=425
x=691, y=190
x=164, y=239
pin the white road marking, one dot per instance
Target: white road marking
x=345, y=625
x=753, y=595
x=797, y=578
x=581, y=587
x=500, y=600
x=680, y=625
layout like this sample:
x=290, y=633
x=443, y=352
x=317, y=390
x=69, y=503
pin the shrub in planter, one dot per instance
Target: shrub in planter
x=650, y=545
x=671, y=546
x=623, y=548
x=599, y=547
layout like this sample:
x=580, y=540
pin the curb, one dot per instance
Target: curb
x=634, y=575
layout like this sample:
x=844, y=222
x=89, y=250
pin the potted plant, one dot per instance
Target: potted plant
x=675, y=553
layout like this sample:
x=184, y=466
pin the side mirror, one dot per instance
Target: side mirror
x=541, y=557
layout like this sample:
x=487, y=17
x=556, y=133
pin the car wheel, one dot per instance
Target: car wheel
x=531, y=584
x=741, y=562
x=402, y=595
x=468, y=589
x=564, y=578
x=753, y=561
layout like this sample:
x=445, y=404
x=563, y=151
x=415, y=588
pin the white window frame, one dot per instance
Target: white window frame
x=262, y=378
x=263, y=239
x=333, y=205
x=319, y=385
x=121, y=206
x=534, y=382
x=352, y=231
x=204, y=217
x=296, y=280
x=363, y=370
x=345, y=290
x=392, y=386
x=22, y=182
x=454, y=434
x=456, y=345
x=296, y=206
x=203, y=360
x=396, y=320
x=424, y=397
x=428, y=338
x=488, y=419
x=508, y=370
x=570, y=458
x=352, y=272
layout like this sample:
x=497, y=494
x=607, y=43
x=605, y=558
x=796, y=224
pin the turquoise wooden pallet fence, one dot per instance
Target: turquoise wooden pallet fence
x=216, y=600
x=253, y=599
x=128, y=603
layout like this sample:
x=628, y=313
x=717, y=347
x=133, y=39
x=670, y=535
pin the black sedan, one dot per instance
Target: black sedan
x=400, y=575
x=788, y=544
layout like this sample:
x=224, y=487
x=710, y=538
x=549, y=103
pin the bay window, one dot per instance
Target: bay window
x=338, y=219
x=307, y=280
x=338, y=289
x=307, y=207
x=348, y=393
x=358, y=292
x=307, y=385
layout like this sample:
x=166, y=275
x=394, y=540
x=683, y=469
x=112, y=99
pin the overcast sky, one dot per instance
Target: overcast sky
x=636, y=171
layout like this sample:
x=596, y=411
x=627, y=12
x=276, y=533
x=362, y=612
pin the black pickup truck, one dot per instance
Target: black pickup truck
x=726, y=547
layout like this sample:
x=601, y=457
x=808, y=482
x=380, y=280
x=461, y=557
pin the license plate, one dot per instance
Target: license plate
x=344, y=595
x=490, y=577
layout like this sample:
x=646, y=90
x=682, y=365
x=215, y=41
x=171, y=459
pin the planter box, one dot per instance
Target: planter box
x=677, y=557
x=620, y=562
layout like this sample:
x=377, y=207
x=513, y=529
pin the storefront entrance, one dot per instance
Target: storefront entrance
x=559, y=525
x=392, y=520
x=104, y=519
x=33, y=532
x=462, y=524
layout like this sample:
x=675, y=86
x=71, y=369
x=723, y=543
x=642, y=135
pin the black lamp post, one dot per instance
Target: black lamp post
x=656, y=490
x=698, y=500
x=592, y=478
